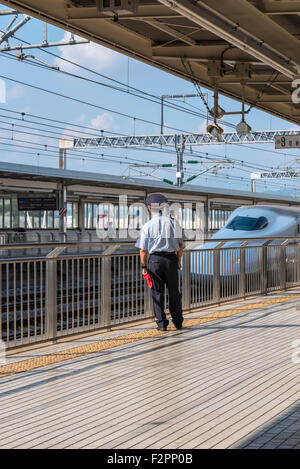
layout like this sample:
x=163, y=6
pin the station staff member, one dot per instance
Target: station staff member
x=161, y=239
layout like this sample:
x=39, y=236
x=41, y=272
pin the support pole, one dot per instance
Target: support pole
x=45, y=34
x=148, y=302
x=62, y=198
x=283, y=267
x=106, y=291
x=51, y=299
x=242, y=272
x=216, y=103
x=62, y=158
x=81, y=215
x=179, y=146
x=206, y=217
x=62, y=211
x=186, y=280
x=162, y=116
x=13, y=30
x=264, y=273
x=216, y=276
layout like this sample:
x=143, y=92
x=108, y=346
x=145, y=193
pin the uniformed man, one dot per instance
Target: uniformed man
x=161, y=240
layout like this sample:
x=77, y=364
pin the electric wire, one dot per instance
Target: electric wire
x=147, y=95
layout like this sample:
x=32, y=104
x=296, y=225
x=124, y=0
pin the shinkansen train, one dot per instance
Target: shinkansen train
x=260, y=221
x=254, y=223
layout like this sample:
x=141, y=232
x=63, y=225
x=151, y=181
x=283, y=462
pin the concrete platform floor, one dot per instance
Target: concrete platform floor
x=229, y=379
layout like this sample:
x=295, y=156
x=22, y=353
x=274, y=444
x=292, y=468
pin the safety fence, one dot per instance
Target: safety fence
x=70, y=290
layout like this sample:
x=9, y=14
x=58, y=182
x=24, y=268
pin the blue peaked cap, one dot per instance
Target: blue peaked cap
x=156, y=199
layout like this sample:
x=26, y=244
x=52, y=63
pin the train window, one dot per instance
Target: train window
x=248, y=223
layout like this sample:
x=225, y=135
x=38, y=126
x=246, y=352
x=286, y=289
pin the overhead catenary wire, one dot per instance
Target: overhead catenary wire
x=142, y=93
x=157, y=101
x=91, y=128
x=107, y=157
x=198, y=153
x=154, y=149
x=130, y=160
x=70, y=124
x=165, y=151
x=71, y=62
x=13, y=128
x=104, y=158
x=202, y=155
x=75, y=155
x=96, y=106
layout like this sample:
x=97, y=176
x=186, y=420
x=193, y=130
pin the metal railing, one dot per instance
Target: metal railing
x=70, y=288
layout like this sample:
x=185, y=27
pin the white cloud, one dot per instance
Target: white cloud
x=202, y=128
x=90, y=55
x=15, y=92
x=103, y=121
x=72, y=130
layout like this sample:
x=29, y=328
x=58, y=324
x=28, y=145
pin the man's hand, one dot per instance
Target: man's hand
x=143, y=257
x=179, y=264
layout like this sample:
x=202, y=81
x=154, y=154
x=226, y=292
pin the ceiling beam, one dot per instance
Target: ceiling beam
x=276, y=98
x=82, y=15
x=172, y=32
x=236, y=35
x=244, y=18
x=201, y=53
x=272, y=7
x=144, y=12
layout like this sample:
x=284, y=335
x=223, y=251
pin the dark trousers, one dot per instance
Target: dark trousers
x=163, y=270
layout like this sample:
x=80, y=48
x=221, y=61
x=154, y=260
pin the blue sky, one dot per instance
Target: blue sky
x=22, y=98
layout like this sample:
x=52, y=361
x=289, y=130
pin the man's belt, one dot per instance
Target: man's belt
x=163, y=253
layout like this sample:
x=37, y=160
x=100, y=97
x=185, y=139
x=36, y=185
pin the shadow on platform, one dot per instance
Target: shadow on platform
x=281, y=433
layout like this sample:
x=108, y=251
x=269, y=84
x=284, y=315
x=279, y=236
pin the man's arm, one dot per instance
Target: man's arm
x=179, y=236
x=143, y=256
x=142, y=244
x=179, y=255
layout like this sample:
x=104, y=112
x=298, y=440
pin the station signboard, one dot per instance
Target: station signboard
x=287, y=141
x=37, y=203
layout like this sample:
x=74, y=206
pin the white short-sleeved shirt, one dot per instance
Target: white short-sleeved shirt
x=161, y=233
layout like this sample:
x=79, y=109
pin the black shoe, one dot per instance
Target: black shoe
x=178, y=326
x=162, y=328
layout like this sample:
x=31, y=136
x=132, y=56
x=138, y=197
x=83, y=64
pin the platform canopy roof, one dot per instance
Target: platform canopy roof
x=204, y=41
x=19, y=177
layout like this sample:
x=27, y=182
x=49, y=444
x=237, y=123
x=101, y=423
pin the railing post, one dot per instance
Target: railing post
x=51, y=298
x=148, y=305
x=216, y=276
x=242, y=272
x=186, y=280
x=283, y=267
x=264, y=278
x=297, y=264
x=106, y=290
x=51, y=291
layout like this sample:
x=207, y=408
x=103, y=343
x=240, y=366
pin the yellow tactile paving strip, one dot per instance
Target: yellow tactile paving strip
x=52, y=358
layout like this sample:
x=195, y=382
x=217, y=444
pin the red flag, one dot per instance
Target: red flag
x=148, y=278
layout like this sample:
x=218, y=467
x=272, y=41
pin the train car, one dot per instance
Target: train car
x=260, y=221
x=254, y=223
